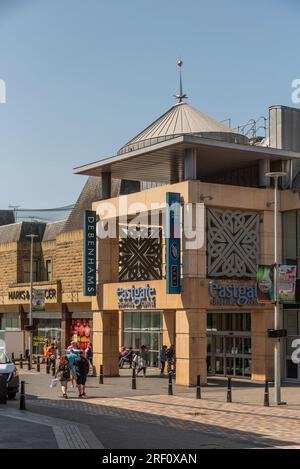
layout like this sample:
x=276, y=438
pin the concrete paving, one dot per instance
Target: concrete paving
x=116, y=416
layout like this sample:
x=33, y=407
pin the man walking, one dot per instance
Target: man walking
x=82, y=369
x=163, y=358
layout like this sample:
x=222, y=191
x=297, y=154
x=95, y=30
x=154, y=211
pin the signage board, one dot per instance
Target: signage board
x=89, y=253
x=287, y=283
x=136, y=297
x=232, y=294
x=173, y=268
x=265, y=283
x=38, y=299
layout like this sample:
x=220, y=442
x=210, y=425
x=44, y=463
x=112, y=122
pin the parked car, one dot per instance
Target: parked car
x=9, y=370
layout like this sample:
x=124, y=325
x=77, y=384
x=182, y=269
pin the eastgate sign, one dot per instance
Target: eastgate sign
x=233, y=294
x=136, y=297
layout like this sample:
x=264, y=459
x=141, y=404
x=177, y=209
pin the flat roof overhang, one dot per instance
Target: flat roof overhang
x=164, y=162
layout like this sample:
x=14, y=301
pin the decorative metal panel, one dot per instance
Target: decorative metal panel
x=140, y=257
x=232, y=243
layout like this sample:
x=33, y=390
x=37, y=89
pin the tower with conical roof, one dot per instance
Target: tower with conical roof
x=182, y=119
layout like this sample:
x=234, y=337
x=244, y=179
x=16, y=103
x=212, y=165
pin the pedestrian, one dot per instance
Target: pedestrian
x=82, y=369
x=142, y=361
x=55, y=343
x=163, y=358
x=51, y=354
x=63, y=374
x=127, y=358
x=170, y=353
x=71, y=358
x=89, y=353
x=135, y=360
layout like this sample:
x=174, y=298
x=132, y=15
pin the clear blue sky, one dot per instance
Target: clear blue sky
x=83, y=77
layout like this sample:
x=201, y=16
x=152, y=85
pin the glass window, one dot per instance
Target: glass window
x=26, y=270
x=136, y=320
x=9, y=321
x=46, y=329
x=291, y=370
x=156, y=320
x=48, y=270
x=291, y=322
x=146, y=320
x=127, y=320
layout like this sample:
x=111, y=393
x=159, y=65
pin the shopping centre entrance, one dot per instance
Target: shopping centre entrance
x=229, y=344
x=144, y=328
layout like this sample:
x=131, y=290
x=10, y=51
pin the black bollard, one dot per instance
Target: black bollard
x=22, y=396
x=133, y=381
x=101, y=380
x=3, y=389
x=53, y=367
x=38, y=365
x=266, y=398
x=13, y=357
x=48, y=366
x=21, y=361
x=94, y=371
x=229, y=394
x=29, y=362
x=198, y=390
x=170, y=386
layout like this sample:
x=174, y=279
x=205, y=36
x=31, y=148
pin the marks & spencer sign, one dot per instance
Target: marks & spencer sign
x=136, y=297
x=233, y=294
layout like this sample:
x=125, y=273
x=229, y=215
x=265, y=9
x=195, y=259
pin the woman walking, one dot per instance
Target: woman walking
x=63, y=374
x=142, y=361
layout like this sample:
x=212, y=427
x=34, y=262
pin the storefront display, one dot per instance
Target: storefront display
x=46, y=330
x=81, y=332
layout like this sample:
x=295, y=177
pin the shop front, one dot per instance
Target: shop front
x=229, y=343
x=143, y=328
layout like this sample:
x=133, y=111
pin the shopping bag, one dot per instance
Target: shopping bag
x=53, y=383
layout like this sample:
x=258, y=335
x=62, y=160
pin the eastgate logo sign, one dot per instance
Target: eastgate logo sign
x=136, y=297
x=232, y=294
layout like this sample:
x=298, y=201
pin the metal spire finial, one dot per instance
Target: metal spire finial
x=181, y=95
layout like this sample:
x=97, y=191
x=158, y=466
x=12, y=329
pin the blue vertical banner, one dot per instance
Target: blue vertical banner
x=89, y=253
x=173, y=242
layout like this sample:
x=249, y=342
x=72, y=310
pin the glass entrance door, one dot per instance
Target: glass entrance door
x=144, y=328
x=229, y=352
x=230, y=355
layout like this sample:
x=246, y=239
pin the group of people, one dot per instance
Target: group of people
x=74, y=366
x=136, y=359
x=167, y=356
x=139, y=359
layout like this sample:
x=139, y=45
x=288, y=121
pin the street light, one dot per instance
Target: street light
x=277, y=372
x=31, y=236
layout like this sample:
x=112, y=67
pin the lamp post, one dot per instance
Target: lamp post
x=32, y=237
x=277, y=371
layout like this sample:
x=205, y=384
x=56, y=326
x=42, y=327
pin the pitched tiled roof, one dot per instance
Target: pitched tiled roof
x=53, y=229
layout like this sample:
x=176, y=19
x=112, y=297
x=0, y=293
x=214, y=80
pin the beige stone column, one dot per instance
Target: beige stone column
x=262, y=347
x=190, y=346
x=106, y=341
x=168, y=327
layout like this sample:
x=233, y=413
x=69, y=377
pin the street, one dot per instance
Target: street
x=114, y=416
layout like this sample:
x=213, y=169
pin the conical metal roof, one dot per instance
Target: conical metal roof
x=178, y=120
